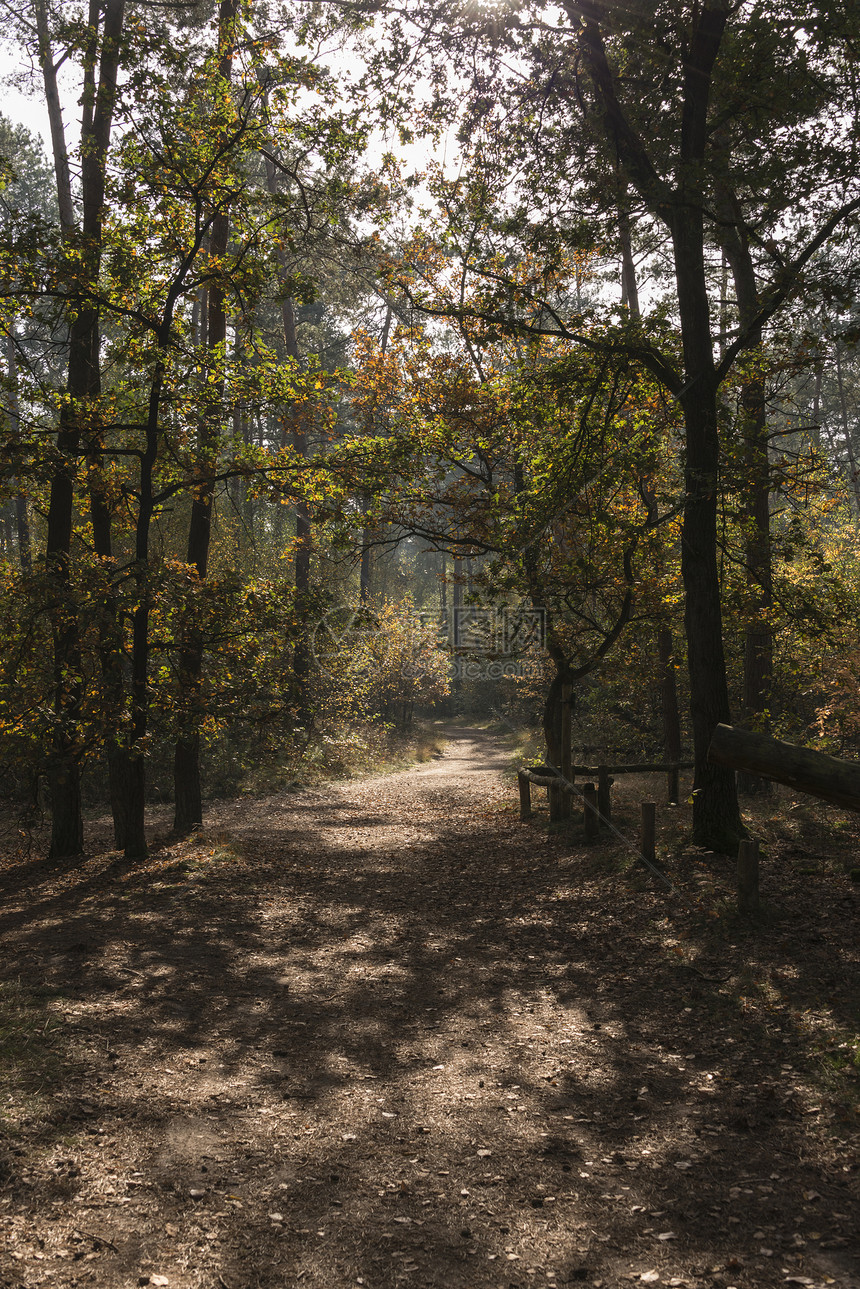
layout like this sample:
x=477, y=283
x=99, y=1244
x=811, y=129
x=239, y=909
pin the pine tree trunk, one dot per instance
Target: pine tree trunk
x=134, y=794
x=758, y=635
x=110, y=652
x=629, y=285
x=679, y=203
x=64, y=785
x=717, y=823
x=188, y=796
x=294, y=431
x=63, y=770
x=456, y=602
x=134, y=768
x=55, y=118
x=82, y=384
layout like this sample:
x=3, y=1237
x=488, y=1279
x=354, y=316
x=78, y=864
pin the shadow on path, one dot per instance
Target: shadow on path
x=394, y=1036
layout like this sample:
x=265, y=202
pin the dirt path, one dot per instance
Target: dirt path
x=385, y=1034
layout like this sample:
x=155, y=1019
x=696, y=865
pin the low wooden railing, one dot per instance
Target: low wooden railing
x=830, y=777
x=560, y=786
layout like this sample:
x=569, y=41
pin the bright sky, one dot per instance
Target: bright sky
x=29, y=109
x=18, y=108
x=24, y=109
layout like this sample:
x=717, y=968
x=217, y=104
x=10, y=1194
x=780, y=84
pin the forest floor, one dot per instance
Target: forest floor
x=384, y=1034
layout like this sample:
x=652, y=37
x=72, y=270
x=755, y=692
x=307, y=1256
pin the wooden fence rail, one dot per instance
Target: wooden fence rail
x=644, y=768
x=829, y=777
x=560, y=787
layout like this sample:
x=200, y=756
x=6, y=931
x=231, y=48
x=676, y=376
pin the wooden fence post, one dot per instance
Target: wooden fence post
x=604, y=797
x=592, y=823
x=649, y=831
x=555, y=803
x=748, y=901
x=525, y=795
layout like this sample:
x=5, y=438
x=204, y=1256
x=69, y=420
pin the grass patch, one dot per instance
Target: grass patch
x=841, y=1053
x=332, y=751
x=193, y=858
x=211, y=855
x=837, y=1055
x=529, y=746
x=360, y=751
x=417, y=746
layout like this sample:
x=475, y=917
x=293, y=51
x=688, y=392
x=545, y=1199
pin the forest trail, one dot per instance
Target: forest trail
x=384, y=1034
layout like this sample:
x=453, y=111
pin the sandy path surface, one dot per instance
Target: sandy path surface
x=385, y=1034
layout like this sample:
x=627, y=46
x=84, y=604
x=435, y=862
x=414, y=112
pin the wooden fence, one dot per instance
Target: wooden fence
x=561, y=788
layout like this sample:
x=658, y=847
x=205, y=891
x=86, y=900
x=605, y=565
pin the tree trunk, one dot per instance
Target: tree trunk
x=110, y=657
x=83, y=381
x=629, y=285
x=294, y=430
x=456, y=602
x=302, y=650
x=22, y=521
x=758, y=635
x=22, y=526
x=96, y=126
x=669, y=694
x=665, y=644
x=95, y=138
x=364, y=569
x=853, y=473
x=816, y=402
x=135, y=768
x=367, y=534
x=552, y=721
x=717, y=823
x=295, y=427
x=188, y=797
x=55, y=119
x=63, y=768
x=187, y=790
x=679, y=203
x=134, y=795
